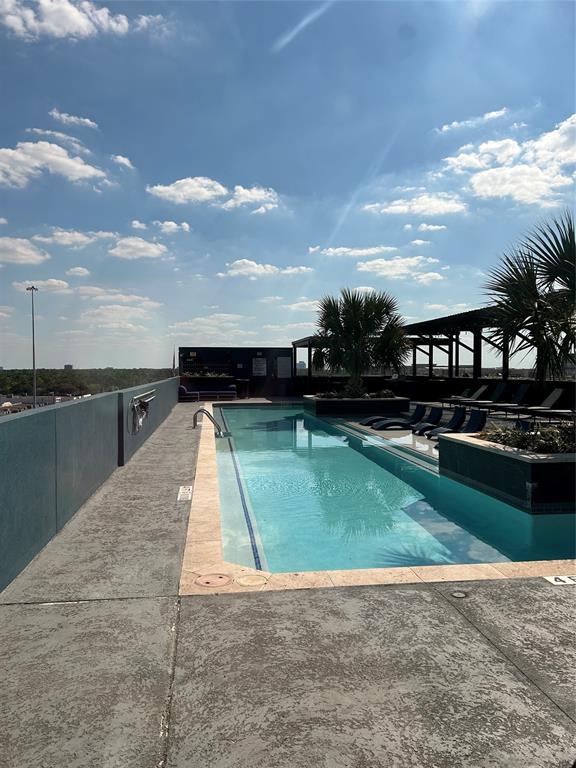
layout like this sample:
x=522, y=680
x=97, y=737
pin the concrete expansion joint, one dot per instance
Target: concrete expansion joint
x=456, y=605
x=167, y=712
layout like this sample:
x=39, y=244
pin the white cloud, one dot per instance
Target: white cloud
x=171, y=227
x=254, y=270
x=201, y=189
x=116, y=317
x=71, y=142
x=267, y=199
x=473, y=122
x=503, y=152
x=5, y=312
x=303, y=306
x=419, y=242
x=30, y=159
x=407, y=226
x=76, y=20
x=78, y=272
x=290, y=327
x=135, y=224
x=524, y=183
x=197, y=189
x=446, y=307
x=18, y=250
x=115, y=296
x=270, y=299
x=428, y=277
x=215, y=328
x=532, y=172
x=71, y=238
x=396, y=268
x=365, y=289
x=131, y=248
x=431, y=227
x=123, y=161
x=355, y=253
x=422, y=205
x=3, y=220
x=66, y=119
x=264, y=208
x=52, y=285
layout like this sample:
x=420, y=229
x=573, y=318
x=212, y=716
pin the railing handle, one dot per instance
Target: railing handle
x=219, y=431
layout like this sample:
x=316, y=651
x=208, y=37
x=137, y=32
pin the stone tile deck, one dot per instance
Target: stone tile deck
x=104, y=663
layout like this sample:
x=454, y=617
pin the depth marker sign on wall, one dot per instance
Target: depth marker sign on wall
x=185, y=493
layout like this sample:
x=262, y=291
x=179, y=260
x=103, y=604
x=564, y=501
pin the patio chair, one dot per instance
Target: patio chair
x=458, y=399
x=432, y=421
x=382, y=423
x=464, y=393
x=546, y=405
x=496, y=395
x=457, y=420
x=515, y=400
x=476, y=422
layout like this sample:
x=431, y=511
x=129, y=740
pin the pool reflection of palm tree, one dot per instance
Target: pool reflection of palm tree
x=367, y=514
x=403, y=553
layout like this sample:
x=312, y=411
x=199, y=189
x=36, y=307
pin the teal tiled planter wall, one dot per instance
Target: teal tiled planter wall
x=536, y=484
x=54, y=458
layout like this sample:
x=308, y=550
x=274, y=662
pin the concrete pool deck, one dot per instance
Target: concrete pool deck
x=104, y=663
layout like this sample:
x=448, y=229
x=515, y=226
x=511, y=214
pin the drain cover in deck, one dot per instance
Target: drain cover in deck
x=251, y=580
x=213, y=580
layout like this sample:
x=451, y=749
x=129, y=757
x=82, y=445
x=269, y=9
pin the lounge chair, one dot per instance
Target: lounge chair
x=476, y=422
x=383, y=423
x=546, y=405
x=457, y=420
x=496, y=395
x=432, y=421
x=464, y=393
x=457, y=399
x=515, y=400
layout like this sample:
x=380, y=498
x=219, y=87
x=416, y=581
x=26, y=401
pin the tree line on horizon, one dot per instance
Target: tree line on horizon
x=82, y=381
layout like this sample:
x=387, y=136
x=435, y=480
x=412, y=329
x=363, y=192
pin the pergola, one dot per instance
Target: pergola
x=442, y=333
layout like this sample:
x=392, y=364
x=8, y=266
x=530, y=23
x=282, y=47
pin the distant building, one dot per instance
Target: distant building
x=68, y=367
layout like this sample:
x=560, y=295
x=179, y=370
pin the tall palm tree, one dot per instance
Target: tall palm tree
x=357, y=331
x=533, y=290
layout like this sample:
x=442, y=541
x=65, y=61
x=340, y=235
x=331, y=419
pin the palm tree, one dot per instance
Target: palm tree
x=357, y=331
x=533, y=290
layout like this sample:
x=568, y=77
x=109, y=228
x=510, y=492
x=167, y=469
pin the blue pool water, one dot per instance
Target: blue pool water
x=299, y=494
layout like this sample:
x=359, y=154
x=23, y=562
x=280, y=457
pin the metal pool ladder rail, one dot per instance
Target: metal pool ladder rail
x=219, y=430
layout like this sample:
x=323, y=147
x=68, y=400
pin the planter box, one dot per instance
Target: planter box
x=536, y=483
x=386, y=406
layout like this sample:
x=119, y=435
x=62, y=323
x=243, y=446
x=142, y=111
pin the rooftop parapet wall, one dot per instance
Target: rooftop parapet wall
x=53, y=459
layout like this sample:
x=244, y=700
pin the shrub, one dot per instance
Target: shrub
x=558, y=438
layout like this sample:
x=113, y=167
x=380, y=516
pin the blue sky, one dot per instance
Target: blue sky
x=201, y=173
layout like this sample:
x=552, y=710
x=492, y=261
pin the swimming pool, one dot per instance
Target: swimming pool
x=299, y=494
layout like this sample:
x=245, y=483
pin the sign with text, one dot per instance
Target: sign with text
x=259, y=366
x=561, y=580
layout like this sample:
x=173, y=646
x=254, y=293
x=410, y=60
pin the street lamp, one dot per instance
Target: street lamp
x=32, y=289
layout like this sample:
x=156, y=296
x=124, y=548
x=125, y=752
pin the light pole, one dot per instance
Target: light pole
x=32, y=289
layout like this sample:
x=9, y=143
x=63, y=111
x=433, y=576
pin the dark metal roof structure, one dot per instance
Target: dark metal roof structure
x=473, y=320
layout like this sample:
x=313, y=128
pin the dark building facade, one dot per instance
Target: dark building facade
x=258, y=371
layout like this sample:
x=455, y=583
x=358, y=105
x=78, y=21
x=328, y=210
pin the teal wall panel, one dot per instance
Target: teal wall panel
x=86, y=450
x=54, y=458
x=27, y=489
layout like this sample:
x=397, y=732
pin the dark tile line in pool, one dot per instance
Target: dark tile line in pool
x=253, y=545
